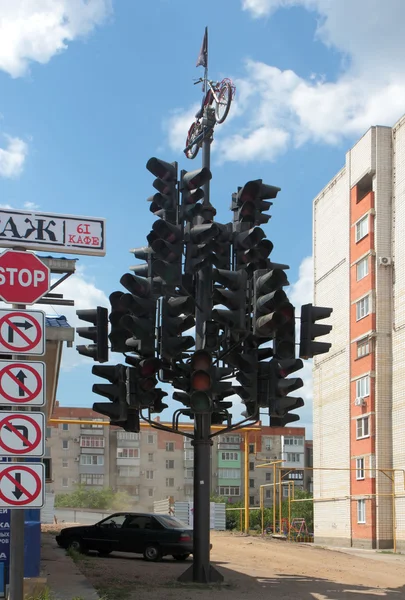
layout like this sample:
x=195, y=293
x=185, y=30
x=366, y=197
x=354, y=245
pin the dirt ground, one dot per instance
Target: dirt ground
x=253, y=567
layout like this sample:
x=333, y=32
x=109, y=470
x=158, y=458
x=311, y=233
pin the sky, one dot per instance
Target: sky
x=91, y=89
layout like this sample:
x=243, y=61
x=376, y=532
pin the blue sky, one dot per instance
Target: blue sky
x=91, y=90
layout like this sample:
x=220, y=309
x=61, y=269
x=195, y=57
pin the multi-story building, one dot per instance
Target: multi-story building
x=359, y=407
x=156, y=464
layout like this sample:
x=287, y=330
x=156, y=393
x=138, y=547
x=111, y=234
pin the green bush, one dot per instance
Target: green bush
x=104, y=499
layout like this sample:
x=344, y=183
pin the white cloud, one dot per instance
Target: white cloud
x=31, y=206
x=36, y=30
x=302, y=291
x=177, y=126
x=12, y=157
x=290, y=110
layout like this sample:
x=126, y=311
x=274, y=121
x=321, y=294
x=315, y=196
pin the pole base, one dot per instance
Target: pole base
x=204, y=575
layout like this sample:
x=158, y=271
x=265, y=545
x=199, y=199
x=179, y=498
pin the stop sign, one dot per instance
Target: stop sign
x=24, y=278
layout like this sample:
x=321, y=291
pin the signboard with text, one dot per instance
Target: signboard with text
x=52, y=233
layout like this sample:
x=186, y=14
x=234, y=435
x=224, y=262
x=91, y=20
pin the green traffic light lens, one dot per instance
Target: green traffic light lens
x=200, y=403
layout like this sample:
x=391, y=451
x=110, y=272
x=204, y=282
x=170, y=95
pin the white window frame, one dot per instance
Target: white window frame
x=363, y=347
x=363, y=386
x=65, y=426
x=169, y=446
x=92, y=441
x=65, y=463
x=128, y=453
x=364, y=423
x=362, y=228
x=361, y=511
x=92, y=479
x=67, y=482
x=150, y=457
x=170, y=482
x=362, y=308
x=360, y=468
x=170, y=464
x=92, y=460
x=149, y=474
x=151, y=438
x=362, y=268
x=232, y=490
x=65, y=444
x=150, y=492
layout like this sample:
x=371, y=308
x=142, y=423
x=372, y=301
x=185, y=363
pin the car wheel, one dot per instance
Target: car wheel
x=180, y=556
x=76, y=544
x=152, y=552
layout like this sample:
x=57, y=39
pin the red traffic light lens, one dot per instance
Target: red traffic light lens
x=201, y=360
x=148, y=367
x=148, y=384
x=201, y=381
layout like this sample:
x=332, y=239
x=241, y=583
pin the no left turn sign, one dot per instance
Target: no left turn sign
x=22, y=434
x=22, y=485
x=22, y=383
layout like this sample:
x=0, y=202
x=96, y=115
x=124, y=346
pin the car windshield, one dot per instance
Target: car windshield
x=172, y=523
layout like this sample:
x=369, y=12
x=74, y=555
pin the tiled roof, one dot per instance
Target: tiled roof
x=57, y=322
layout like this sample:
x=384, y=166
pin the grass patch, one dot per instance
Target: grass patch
x=115, y=589
x=75, y=555
x=44, y=594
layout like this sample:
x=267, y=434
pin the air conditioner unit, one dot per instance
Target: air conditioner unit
x=76, y=440
x=359, y=402
x=77, y=459
x=385, y=261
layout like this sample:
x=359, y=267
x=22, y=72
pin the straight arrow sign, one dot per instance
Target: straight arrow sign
x=17, y=486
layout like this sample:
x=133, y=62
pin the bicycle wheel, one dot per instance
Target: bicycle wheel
x=224, y=102
x=192, y=134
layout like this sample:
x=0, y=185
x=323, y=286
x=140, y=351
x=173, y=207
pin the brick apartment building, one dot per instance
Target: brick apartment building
x=359, y=406
x=155, y=464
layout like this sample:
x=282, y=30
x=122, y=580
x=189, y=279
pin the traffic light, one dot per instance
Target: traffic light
x=98, y=351
x=271, y=308
x=139, y=321
x=246, y=364
x=166, y=240
x=118, y=333
x=142, y=378
x=274, y=387
x=165, y=203
x=177, y=317
x=144, y=253
x=249, y=202
x=310, y=330
x=201, y=245
x=201, y=382
x=119, y=411
x=191, y=184
x=230, y=293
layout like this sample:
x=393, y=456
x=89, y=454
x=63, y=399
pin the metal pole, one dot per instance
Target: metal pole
x=246, y=493
x=274, y=497
x=17, y=530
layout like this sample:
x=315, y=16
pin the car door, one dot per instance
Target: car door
x=106, y=536
x=133, y=532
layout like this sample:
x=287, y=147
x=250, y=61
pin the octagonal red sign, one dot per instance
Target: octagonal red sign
x=24, y=278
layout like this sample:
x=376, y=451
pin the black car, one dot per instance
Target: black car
x=152, y=535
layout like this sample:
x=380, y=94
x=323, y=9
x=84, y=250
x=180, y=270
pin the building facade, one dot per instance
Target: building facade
x=359, y=406
x=155, y=464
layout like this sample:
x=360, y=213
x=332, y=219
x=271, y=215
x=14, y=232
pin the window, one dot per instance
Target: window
x=150, y=457
x=361, y=511
x=251, y=483
x=128, y=471
x=251, y=466
x=267, y=443
x=230, y=455
x=150, y=438
x=293, y=457
x=229, y=490
x=268, y=476
x=91, y=479
x=359, y=468
x=149, y=474
x=231, y=439
x=92, y=459
x=169, y=446
x=87, y=426
x=295, y=475
x=65, y=444
x=294, y=441
x=65, y=482
x=362, y=268
x=361, y=228
x=65, y=463
x=127, y=435
x=127, y=452
x=48, y=432
x=170, y=464
x=65, y=426
x=92, y=441
x=268, y=494
x=363, y=387
x=228, y=473
x=363, y=347
x=169, y=482
x=189, y=454
x=150, y=492
x=362, y=308
x=114, y=521
x=251, y=500
x=362, y=427
x=285, y=491
x=251, y=448
x=189, y=473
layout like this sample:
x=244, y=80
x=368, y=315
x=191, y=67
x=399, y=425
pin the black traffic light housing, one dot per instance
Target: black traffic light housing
x=274, y=387
x=310, y=330
x=118, y=409
x=98, y=351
